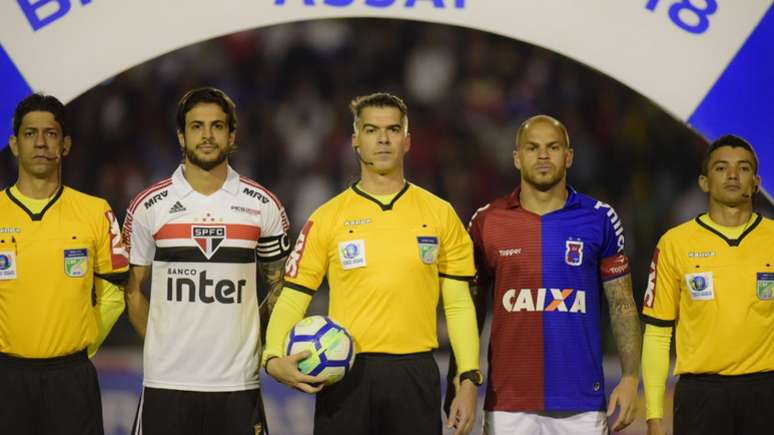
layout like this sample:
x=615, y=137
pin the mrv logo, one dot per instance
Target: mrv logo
x=438, y=4
x=190, y=285
x=535, y=300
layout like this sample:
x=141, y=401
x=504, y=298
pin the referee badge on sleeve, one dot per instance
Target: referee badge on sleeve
x=7, y=265
x=700, y=286
x=764, y=286
x=428, y=249
x=76, y=262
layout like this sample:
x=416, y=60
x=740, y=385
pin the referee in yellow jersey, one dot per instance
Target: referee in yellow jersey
x=389, y=249
x=60, y=253
x=712, y=278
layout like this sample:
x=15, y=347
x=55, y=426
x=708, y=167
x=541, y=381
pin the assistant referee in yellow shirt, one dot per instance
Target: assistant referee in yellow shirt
x=60, y=255
x=712, y=278
x=389, y=249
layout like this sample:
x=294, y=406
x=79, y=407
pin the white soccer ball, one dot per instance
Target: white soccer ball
x=333, y=350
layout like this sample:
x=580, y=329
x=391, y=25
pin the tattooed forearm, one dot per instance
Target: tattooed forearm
x=625, y=323
x=272, y=273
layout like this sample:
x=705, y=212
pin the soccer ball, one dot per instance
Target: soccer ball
x=333, y=350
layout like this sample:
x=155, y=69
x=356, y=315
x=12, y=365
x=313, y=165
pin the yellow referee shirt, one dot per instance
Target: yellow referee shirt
x=719, y=293
x=48, y=262
x=383, y=264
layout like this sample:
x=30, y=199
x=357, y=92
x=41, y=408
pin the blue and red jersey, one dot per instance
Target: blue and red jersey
x=546, y=274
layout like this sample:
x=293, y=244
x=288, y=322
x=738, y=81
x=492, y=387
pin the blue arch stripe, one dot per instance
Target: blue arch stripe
x=14, y=88
x=742, y=100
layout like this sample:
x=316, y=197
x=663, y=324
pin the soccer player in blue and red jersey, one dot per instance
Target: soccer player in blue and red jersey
x=547, y=253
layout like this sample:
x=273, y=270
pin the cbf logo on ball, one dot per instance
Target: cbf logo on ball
x=352, y=254
x=700, y=286
x=208, y=238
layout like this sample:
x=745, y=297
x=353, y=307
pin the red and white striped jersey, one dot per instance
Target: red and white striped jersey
x=203, y=325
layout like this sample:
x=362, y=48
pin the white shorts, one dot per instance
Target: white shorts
x=545, y=423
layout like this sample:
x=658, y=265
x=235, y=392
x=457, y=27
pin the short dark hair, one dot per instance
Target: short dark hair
x=206, y=94
x=378, y=99
x=39, y=102
x=732, y=141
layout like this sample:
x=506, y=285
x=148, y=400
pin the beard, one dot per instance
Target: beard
x=208, y=164
x=545, y=183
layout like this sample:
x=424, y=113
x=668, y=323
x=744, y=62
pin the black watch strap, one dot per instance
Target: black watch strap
x=472, y=376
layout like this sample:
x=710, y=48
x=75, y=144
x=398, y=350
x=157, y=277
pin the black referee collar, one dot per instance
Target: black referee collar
x=384, y=207
x=35, y=216
x=731, y=242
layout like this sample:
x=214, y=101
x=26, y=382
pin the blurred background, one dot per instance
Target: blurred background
x=467, y=92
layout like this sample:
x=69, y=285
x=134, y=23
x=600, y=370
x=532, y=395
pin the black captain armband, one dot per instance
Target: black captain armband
x=273, y=248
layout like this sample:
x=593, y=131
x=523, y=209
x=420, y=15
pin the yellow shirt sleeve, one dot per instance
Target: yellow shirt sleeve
x=461, y=323
x=111, y=254
x=455, y=256
x=109, y=306
x=289, y=309
x=307, y=264
x=655, y=368
x=662, y=296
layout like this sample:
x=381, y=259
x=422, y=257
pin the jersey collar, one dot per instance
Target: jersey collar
x=231, y=185
x=573, y=200
x=35, y=216
x=384, y=207
x=731, y=242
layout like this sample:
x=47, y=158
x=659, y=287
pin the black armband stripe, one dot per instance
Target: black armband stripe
x=299, y=288
x=466, y=278
x=658, y=322
x=119, y=278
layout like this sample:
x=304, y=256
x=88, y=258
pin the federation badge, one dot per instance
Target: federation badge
x=76, y=262
x=7, y=265
x=573, y=256
x=208, y=238
x=764, y=286
x=700, y=286
x=352, y=254
x=428, y=249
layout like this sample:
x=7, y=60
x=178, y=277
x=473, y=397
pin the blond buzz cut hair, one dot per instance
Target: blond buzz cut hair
x=542, y=119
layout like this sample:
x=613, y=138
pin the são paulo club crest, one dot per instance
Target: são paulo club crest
x=208, y=238
x=573, y=256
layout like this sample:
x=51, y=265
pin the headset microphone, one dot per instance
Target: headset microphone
x=366, y=162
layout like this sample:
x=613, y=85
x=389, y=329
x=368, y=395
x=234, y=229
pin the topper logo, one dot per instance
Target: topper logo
x=438, y=4
x=41, y=13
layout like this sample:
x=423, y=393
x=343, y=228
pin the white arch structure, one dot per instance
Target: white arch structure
x=709, y=63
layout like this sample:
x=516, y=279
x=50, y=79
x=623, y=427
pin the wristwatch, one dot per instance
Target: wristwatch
x=472, y=376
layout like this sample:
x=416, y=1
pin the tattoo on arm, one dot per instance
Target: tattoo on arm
x=625, y=323
x=272, y=273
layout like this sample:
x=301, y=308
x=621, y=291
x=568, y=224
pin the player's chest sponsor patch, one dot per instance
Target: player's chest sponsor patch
x=573, y=254
x=352, y=254
x=76, y=262
x=208, y=238
x=700, y=286
x=7, y=265
x=764, y=286
x=428, y=249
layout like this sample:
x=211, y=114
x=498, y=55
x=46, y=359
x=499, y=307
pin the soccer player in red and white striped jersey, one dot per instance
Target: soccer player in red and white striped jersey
x=199, y=236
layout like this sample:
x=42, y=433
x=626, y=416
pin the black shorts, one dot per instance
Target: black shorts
x=171, y=412
x=383, y=395
x=724, y=405
x=57, y=396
